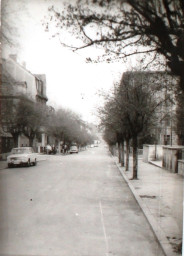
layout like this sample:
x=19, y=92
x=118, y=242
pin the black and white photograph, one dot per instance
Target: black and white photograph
x=91, y=127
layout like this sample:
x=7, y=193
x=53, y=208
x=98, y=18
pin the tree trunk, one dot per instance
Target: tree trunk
x=119, y=152
x=15, y=139
x=135, y=158
x=127, y=154
x=111, y=149
x=31, y=139
x=122, y=154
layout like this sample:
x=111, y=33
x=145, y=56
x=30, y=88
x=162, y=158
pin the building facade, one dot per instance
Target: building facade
x=17, y=82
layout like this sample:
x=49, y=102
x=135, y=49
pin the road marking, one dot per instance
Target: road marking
x=104, y=230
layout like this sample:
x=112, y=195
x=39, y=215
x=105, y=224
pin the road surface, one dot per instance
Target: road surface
x=73, y=205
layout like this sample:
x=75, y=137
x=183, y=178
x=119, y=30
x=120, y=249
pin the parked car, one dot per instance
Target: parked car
x=22, y=156
x=73, y=149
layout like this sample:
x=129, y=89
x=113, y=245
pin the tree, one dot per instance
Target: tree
x=126, y=27
x=110, y=137
x=180, y=118
x=67, y=126
x=31, y=116
x=22, y=116
x=8, y=119
x=111, y=120
x=140, y=104
x=132, y=110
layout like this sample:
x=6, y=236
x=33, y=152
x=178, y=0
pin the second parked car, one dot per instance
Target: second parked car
x=73, y=149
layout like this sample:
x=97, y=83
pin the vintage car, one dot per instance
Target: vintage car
x=73, y=149
x=22, y=156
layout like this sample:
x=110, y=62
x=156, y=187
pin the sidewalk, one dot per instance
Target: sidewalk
x=3, y=164
x=160, y=196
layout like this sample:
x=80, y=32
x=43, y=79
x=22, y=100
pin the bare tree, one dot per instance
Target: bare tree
x=132, y=111
x=125, y=28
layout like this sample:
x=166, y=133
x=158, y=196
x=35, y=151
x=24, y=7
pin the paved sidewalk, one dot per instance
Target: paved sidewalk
x=3, y=164
x=156, y=163
x=160, y=195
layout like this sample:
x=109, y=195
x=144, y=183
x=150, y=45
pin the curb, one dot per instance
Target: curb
x=151, y=162
x=158, y=232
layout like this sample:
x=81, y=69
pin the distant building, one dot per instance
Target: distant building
x=17, y=81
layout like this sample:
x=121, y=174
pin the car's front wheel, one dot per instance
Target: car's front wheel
x=10, y=165
x=28, y=163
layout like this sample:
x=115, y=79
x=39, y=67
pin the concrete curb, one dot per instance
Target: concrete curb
x=158, y=232
x=151, y=162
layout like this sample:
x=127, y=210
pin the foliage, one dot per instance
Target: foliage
x=125, y=28
x=109, y=136
x=23, y=116
x=68, y=127
x=132, y=110
x=31, y=116
x=180, y=118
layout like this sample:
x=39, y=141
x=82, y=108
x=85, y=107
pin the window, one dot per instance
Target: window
x=39, y=86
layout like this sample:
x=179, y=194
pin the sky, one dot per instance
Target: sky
x=71, y=82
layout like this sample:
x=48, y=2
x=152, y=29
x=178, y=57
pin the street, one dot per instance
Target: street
x=73, y=205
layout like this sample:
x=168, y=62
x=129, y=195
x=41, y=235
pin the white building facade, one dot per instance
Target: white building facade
x=17, y=81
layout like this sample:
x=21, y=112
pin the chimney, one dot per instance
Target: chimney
x=13, y=57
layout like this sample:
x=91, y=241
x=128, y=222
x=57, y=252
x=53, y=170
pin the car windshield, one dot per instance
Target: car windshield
x=21, y=150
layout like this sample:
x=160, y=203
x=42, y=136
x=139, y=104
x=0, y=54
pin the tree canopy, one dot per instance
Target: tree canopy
x=124, y=28
x=67, y=126
x=132, y=111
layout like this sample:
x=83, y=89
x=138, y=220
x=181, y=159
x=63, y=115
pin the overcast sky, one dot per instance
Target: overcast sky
x=71, y=82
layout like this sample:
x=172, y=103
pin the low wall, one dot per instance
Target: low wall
x=152, y=152
x=171, y=155
x=181, y=167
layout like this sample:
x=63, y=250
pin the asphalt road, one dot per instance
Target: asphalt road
x=73, y=205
